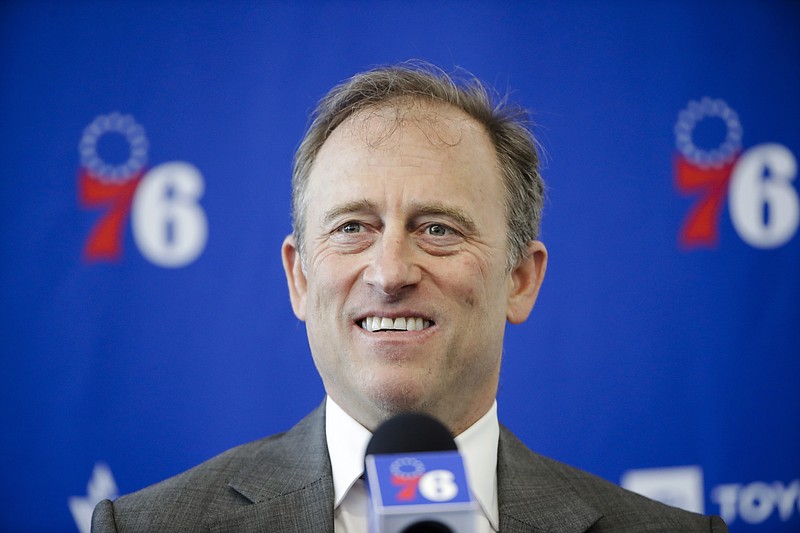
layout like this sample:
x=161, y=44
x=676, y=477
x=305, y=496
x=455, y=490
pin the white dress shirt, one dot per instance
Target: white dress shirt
x=347, y=444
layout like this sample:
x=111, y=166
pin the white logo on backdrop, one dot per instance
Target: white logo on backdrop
x=101, y=486
x=682, y=486
x=169, y=225
x=756, y=502
x=678, y=486
x=764, y=204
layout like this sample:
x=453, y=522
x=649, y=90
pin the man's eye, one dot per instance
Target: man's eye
x=351, y=227
x=438, y=230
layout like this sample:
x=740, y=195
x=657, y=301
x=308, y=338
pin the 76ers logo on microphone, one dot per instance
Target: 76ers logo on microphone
x=169, y=226
x=405, y=489
x=763, y=203
x=409, y=475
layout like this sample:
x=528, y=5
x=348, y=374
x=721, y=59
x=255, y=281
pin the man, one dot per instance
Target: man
x=416, y=206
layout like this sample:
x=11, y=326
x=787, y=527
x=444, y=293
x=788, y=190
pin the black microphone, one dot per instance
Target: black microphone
x=416, y=478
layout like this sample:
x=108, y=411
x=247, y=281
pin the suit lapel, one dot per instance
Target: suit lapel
x=533, y=497
x=301, y=511
x=289, y=482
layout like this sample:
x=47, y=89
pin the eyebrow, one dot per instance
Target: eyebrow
x=356, y=206
x=441, y=209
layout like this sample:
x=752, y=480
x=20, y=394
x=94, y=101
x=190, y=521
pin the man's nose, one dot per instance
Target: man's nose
x=393, y=267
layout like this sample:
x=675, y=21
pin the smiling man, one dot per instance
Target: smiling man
x=404, y=280
x=417, y=202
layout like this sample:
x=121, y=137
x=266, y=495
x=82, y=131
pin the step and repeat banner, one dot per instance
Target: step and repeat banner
x=145, y=190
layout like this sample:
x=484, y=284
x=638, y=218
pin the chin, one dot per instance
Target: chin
x=397, y=398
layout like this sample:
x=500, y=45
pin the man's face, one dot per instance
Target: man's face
x=404, y=287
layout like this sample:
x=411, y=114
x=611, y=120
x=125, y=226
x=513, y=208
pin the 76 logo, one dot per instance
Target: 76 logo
x=409, y=474
x=168, y=223
x=763, y=203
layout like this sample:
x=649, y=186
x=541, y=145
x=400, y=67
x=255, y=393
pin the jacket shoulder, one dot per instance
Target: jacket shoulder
x=626, y=511
x=602, y=505
x=185, y=501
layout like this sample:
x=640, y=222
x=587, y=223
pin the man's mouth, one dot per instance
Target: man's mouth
x=379, y=323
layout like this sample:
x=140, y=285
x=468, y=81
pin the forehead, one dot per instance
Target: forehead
x=441, y=124
x=419, y=143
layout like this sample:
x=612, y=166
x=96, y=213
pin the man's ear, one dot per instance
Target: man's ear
x=525, y=280
x=295, y=277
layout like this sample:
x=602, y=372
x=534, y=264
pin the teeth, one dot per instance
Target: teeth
x=377, y=323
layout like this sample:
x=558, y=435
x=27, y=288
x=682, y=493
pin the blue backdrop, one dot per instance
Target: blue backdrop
x=144, y=183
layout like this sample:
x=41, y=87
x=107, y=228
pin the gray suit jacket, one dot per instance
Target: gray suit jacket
x=283, y=484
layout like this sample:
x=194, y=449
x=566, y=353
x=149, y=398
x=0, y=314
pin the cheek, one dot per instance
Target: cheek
x=463, y=281
x=331, y=282
x=474, y=283
x=322, y=297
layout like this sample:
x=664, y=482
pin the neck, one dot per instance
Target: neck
x=457, y=418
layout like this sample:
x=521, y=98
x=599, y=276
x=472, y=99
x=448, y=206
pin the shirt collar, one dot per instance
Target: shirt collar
x=347, y=444
x=478, y=448
x=348, y=440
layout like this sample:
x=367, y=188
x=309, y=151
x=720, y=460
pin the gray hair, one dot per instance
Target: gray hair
x=505, y=123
